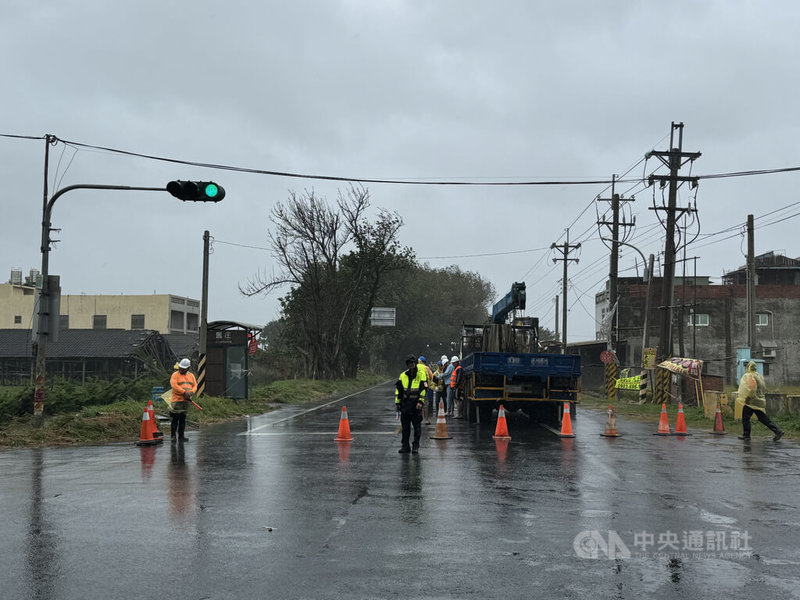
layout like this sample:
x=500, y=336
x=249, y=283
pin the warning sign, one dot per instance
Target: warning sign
x=649, y=358
x=628, y=383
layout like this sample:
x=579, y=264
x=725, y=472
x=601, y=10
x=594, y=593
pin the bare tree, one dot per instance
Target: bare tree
x=331, y=293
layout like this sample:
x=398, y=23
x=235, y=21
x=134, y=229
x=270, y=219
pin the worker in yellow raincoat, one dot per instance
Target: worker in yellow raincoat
x=751, y=393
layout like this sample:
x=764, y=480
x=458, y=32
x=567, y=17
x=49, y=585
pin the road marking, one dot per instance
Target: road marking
x=305, y=412
x=333, y=433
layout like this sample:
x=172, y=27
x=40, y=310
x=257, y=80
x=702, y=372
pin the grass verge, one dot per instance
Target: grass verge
x=627, y=406
x=121, y=421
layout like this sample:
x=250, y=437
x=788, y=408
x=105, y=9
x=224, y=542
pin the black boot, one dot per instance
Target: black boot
x=404, y=450
x=778, y=436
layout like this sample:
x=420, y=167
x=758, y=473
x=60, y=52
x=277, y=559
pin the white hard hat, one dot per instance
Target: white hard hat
x=454, y=359
x=185, y=363
x=444, y=358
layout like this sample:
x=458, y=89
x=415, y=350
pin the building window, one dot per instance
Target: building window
x=63, y=321
x=192, y=322
x=17, y=319
x=762, y=319
x=99, y=321
x=137, y=321
x=176, y=320
x=698, y=320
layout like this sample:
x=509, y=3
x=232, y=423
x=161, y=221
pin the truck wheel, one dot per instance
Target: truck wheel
x=485, y=409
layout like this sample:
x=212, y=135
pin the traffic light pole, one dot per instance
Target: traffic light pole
x=46, y=322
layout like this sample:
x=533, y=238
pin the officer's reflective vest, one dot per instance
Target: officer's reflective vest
x=413, y=391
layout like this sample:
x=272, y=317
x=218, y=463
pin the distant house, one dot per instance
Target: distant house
x=710, y=321
x=83, y=353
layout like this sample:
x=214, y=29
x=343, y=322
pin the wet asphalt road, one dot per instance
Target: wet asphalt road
x=274, y=508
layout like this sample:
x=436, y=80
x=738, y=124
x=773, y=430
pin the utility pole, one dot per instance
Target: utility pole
x=556, y=299
x=751, y=287
x=674, y=159
x=613, y=271
x=201, y=367
x=565, y=249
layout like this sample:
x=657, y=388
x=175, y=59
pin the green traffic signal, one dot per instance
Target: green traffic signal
x=196, y=191
x=212, y=190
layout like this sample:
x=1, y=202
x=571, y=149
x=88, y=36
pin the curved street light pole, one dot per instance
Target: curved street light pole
x=46, y=322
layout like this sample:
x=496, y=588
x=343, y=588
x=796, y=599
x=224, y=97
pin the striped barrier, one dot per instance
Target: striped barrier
x=611, y=381
x=201, y=375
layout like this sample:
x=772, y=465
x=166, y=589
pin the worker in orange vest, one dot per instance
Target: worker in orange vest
x=183, y=385
x=456, y=383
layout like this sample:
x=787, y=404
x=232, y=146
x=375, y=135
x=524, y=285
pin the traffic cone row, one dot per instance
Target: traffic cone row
x=149, y=435
x=663, y=422
x=566, y=423
x=501, y=431
x=157, y=433
x=344, y=428
x=719, y=427
x=680, y=423
x=441, y=425
x=611, y=424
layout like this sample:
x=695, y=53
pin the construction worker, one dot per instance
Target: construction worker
x=751, y=393
x=456, y=381
x=448, y=373
x=409, y=400
x=438, y=387
x=429, y=377
x=183, y=385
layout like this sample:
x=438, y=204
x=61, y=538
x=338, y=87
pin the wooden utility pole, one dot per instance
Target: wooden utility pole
x=751, y=287
x=565, y=249
x=556, y=299
x=613, y=270
x=674, y=159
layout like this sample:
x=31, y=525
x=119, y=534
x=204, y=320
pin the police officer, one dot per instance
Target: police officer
x=409, y=400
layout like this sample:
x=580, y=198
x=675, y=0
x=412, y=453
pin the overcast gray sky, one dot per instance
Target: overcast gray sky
x=439, y=90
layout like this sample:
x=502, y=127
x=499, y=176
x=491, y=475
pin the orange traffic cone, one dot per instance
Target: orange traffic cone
x=344, y=428
x=611, y=424
x=566, y=423
x=501, y=431
x=663, y=423
x=719, y=427
x=146, y=436
x=157, y=433
x=680, y=423
x=441, y=425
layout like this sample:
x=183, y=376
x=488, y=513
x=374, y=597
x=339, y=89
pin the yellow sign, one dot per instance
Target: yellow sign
x=649, y=358
x=628, y=383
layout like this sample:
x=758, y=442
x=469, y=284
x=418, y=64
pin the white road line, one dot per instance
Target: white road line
x=305, y=412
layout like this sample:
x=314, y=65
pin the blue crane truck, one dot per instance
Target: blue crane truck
x=502, y=365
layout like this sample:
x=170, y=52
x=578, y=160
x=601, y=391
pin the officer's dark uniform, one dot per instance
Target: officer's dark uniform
x=409, y=393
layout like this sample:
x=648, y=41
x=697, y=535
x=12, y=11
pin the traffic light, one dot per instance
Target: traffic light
x=196, y=191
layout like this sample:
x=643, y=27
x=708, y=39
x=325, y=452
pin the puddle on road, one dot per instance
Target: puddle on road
x=716, y=519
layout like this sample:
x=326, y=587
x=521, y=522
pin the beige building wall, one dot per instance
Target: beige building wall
x=164, y=313
x=16, y=306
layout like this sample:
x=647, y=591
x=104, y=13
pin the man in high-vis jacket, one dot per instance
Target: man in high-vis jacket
x=409, y=400
x=183, y=385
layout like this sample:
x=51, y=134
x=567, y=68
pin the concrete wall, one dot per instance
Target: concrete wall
x=16, y=304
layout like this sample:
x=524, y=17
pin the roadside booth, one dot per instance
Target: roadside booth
x=228, y=346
